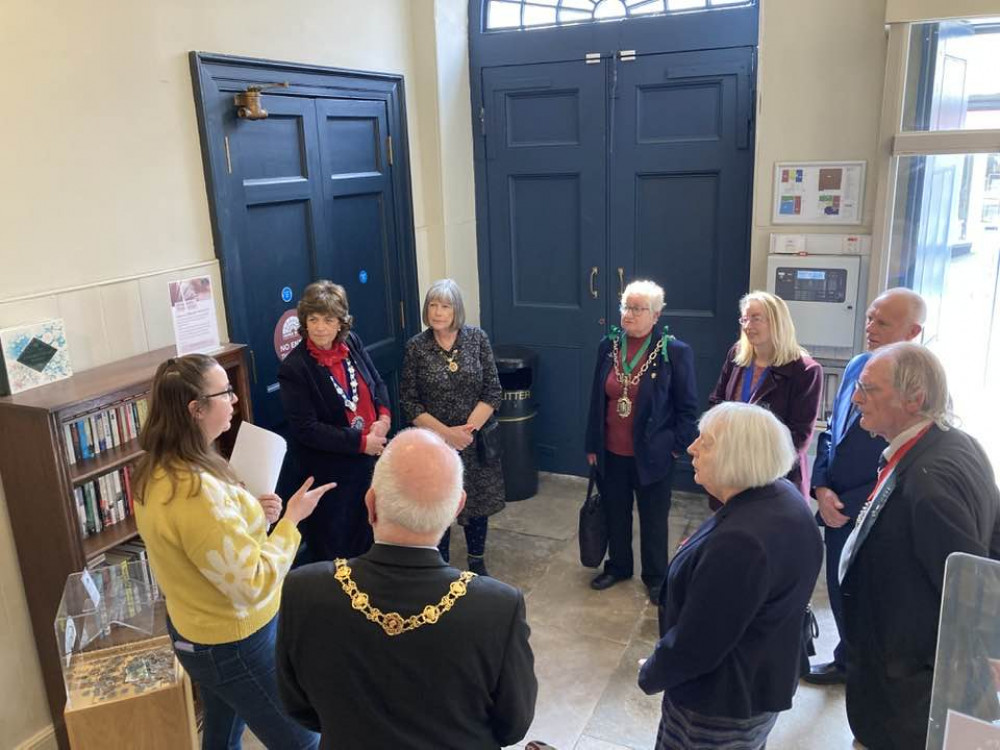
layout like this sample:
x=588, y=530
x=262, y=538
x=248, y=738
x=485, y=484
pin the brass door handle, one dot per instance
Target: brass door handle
x=593, y=278
x=621, y=281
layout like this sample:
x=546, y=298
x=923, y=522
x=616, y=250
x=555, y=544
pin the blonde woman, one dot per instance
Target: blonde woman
x=767, y=367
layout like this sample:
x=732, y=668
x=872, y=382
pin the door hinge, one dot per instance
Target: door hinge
x=482, y=120
x=592, y=58
x=402, y=316
x=229, y=158
x=388, y=148
x=626, y=55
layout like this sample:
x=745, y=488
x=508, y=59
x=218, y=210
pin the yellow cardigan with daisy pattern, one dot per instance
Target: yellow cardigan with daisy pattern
x=219, y=569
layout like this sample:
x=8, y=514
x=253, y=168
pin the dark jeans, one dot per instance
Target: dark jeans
x=238, y=687
x=834, y=540
x=475, y=538
x=619, y=489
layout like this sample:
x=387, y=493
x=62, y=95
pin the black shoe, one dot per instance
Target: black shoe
x=478, y=566
x=829, y=673
x=605, y=581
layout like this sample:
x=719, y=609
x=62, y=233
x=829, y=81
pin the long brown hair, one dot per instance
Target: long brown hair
x=171, y=437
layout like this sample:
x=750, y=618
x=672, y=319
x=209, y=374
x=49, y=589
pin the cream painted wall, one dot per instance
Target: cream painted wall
x=924, y=10
x=819, y=97
x=105, y=196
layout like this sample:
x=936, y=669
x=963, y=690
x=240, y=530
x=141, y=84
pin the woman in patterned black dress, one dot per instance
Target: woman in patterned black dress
x=450, y=385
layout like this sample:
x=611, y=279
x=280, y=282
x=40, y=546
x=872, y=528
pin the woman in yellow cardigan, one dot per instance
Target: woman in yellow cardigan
x=210, y=550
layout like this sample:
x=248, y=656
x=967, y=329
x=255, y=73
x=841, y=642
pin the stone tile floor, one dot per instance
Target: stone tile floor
x=587, y=643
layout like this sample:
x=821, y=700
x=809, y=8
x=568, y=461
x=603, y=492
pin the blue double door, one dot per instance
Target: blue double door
x=603, y=172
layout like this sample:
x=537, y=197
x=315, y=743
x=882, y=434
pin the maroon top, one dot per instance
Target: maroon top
x=618, y=437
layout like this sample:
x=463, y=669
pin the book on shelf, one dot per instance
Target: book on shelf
x=104, y=501
x=89, y=435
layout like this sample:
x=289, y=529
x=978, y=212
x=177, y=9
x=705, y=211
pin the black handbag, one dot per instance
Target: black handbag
x=810, y=632
x=593, y=534
x=488, y=442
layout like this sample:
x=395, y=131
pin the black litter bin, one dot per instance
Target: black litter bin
x=516, y=366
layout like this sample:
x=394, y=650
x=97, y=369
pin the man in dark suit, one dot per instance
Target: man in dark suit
x=935, y=495
x=847, y=456
x=395, y=648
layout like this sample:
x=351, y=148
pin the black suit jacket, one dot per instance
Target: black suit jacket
x=464, y=682
x=733, y=604
x=792, y=393
x=666, y=409
x=322, y=443
x=945, y=500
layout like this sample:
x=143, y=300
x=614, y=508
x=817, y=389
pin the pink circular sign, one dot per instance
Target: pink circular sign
x=286, y=334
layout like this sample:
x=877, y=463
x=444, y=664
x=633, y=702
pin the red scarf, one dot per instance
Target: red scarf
x=333, y=360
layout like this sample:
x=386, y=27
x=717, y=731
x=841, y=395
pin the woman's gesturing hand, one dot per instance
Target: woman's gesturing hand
x=303, y=502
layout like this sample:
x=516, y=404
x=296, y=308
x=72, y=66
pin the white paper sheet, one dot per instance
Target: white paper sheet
x=257, y=458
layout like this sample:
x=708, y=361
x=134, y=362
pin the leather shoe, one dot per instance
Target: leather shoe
x=829, y=673
x=604, y=581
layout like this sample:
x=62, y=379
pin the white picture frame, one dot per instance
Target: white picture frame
x=818, y=192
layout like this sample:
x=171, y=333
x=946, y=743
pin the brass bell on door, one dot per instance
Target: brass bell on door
x=248, y=102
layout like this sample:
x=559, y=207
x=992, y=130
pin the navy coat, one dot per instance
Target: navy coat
x=732, y=607
x=666, y=409
x=322, y=442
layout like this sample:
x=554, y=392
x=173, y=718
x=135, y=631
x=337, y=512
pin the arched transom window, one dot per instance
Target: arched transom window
x=525, y=14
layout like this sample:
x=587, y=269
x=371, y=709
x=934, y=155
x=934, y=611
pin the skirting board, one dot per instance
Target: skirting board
x=44, y=740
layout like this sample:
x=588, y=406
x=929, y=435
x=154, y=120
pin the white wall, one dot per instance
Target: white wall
x=819, y=97
x=924, y=10
x=104, y=197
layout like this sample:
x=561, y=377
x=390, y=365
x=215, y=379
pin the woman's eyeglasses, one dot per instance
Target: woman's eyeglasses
x=229, y=393
x=748, y=319
x=633, y=310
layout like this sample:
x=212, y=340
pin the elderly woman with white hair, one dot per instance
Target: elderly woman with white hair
x=450, y=386
x=643, y=408
x=733, y=604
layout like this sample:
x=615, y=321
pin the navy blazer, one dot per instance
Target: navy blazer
x=666, y=409
x=732, y=607
x=848, y=467
x=321, y=440
x=791, y=392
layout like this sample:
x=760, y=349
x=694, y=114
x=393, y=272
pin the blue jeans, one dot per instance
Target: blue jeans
x=237, y=685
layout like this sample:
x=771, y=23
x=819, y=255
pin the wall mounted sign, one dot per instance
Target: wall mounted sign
x=192, y=306
x=818, y=192
x=286, y=334
x=286, y=294
x=363, y=276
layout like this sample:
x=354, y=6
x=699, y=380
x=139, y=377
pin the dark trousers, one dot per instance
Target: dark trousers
x=475, y=538
x=339, y=526
x=834, y=540
x=619, y=489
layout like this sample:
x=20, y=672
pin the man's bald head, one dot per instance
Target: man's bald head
x=894, y=316
x=417, y=485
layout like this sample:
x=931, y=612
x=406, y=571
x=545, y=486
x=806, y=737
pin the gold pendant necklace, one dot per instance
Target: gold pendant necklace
x=623, y=408
x=394, y=623
x=450, y=359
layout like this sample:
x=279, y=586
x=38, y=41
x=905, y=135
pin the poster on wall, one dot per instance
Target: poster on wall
x=192, y=307
x=818, y=192
x=33, y=355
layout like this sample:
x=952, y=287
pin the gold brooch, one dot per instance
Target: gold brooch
x=394, y=623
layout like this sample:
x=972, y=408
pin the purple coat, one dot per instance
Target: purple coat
x=791, y=392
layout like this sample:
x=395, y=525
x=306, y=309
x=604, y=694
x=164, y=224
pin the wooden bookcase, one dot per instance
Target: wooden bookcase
x=38, y=483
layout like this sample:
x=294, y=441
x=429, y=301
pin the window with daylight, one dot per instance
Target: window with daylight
x=526, y=14
x=942, y=215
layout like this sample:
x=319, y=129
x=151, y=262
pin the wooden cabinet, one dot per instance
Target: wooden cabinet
x=38, y=482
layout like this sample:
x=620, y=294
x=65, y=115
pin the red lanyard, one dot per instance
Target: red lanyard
x=886, y=470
